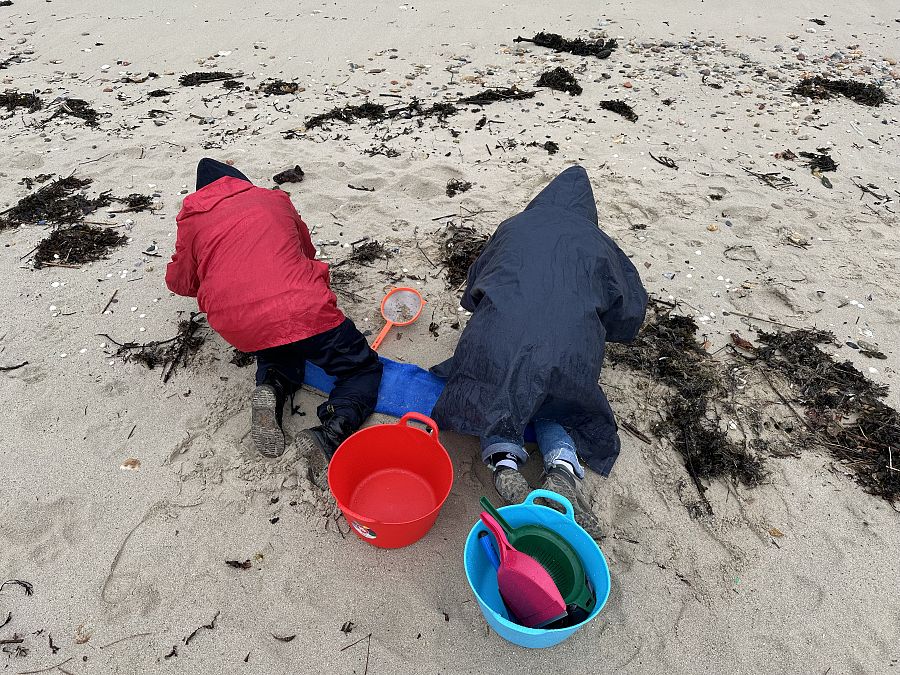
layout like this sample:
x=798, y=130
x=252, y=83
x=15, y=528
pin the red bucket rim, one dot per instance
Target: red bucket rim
x=445, y=458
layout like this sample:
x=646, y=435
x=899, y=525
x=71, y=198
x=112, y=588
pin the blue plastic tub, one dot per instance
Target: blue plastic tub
x=483, y=577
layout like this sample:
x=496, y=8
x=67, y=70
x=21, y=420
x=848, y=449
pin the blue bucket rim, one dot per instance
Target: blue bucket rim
x=569, y=515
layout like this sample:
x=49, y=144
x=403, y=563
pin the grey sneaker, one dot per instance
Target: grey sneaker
x=267, y=402
x=563, y=482
x=511, y=485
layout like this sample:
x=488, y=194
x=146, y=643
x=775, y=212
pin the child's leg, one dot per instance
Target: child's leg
x=279, y=371
x=344, y=354
x=563, y=473
x=505, y=456
x=557, y=446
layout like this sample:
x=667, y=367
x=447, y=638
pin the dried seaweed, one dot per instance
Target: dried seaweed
x=294, y=175
x=602, y=49
x=494, y=94
x=169, y=354
x=159, y=93
x=844, y=409
x=348, y=114
x=382, y=149
x=76, y=245
x=620, y=108
x=31, y=182
x=57, y=203
x=560, y=79
x=278, y=87
x=823, y=88
x=820, y=162
x=773, y=179
x=667, y=350
x=195, y=79
x=414, y=109
x=460, y=247
x=135, y=202
x=76, y=107
x=455, y=187
x=13, y=99
x=552, y=147
x=367, y=253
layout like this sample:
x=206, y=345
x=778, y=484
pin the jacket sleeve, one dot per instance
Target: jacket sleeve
x=181, y=272
x=625, y=300
x=306, y=244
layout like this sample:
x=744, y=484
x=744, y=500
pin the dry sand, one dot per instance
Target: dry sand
x=115, y=553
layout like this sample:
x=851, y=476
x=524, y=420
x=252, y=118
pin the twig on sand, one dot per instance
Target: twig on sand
x=368, y=649
x=634, y=431
x=759, y=318
x=44, y=670
x=16, y=367
x=113, y=297
x=127, y=637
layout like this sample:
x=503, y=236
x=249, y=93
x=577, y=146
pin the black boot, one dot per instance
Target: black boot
x=267, y=403
x=321, y=442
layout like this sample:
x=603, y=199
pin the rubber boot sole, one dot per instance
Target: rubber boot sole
x=267, y=435
x=317, y=460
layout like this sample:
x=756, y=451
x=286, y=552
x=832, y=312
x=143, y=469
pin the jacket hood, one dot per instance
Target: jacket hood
x=205, y=199
x=570, y=190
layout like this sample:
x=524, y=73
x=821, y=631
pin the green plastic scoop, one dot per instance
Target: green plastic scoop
x=555, y=554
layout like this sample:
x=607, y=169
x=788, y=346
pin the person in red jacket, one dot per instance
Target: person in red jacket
x=246, y=255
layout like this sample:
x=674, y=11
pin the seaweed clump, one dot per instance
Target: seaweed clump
x=667, y=350
x=348, y=114
x=367, y=253
x=819, y=162
x=845, y=411
x=602, y=49
x=59, y=203
x=620, y=108
x=823, y=88
x=456, y=186
x=460, y=248
x=135, y=202
x=560, y=79
x=493, y=95
x=76, y=107
x=14, y=99
x=552, y=147
x=76, y=245
x=168, y=354
x=195, y=79
x=279, y=88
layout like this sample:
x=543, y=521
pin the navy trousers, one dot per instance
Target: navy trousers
x=341, y=352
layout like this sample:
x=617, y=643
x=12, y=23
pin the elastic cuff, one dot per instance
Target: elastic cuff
x=504, y=447
x=565, y=455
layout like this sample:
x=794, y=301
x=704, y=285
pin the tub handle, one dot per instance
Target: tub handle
x=546, y=494
x=424, y=419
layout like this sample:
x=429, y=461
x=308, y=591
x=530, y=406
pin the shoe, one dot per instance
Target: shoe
x=267, y=405
x=563, y=482
x=511, y=485
x=320, y=443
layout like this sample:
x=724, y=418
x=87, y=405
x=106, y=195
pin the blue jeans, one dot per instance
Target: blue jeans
x=553, y=441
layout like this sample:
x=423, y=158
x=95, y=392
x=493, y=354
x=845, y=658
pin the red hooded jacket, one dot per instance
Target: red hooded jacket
x=246, y=255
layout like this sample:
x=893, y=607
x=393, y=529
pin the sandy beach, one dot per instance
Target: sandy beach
x=123, y=495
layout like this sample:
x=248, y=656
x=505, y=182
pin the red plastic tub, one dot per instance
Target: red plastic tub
x=391, y=480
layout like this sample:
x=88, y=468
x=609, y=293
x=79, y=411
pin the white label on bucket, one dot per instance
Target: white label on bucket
x=363, y=530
